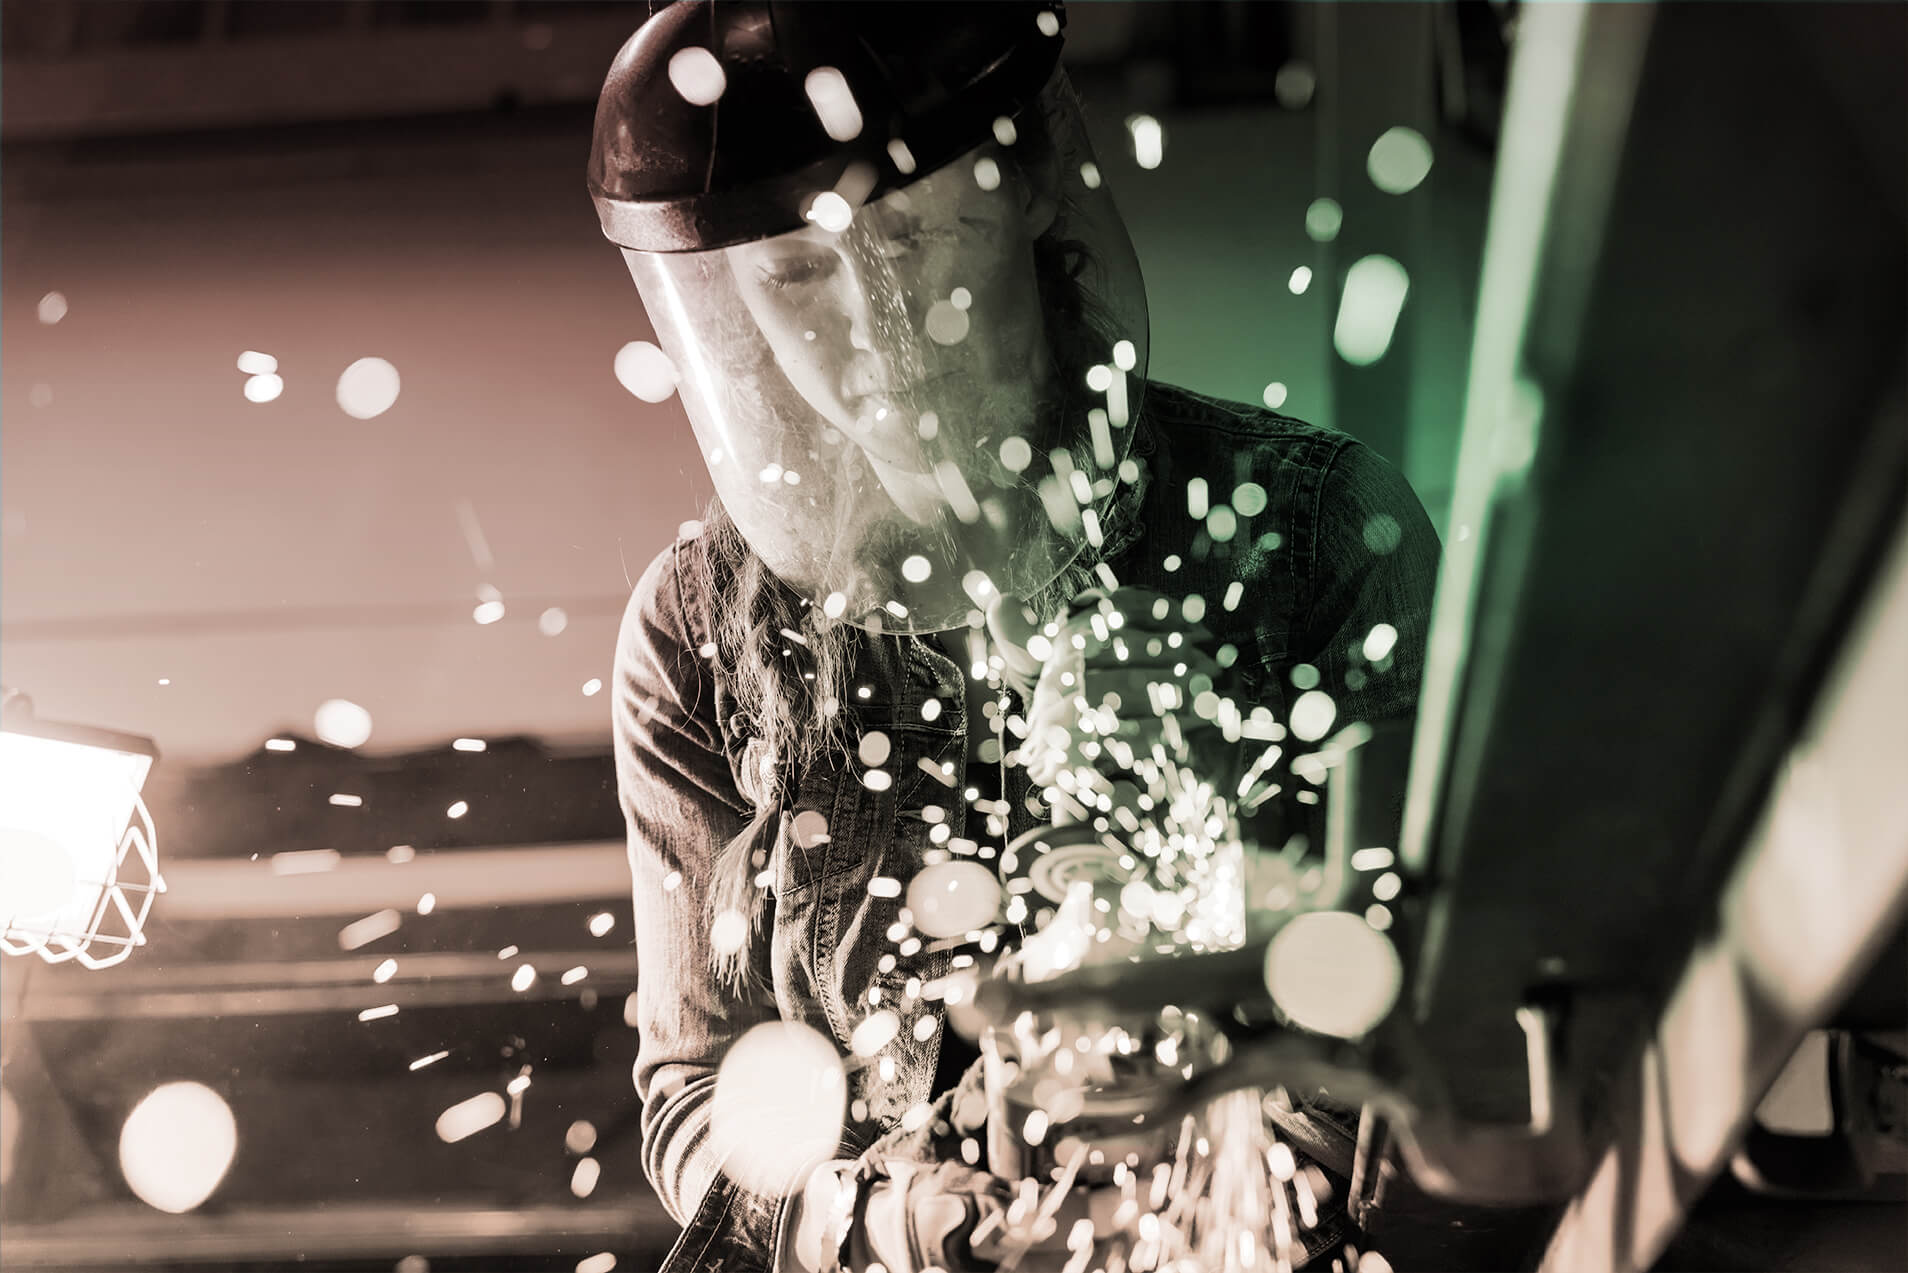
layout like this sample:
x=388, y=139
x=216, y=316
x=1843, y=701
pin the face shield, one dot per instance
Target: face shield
x=923, y=394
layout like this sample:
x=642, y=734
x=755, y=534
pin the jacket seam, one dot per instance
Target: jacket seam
x=745, y=810
x=1314, y=530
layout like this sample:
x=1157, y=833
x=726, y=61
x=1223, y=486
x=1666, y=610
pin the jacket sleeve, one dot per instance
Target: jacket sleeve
x=1374, y=562
x=680, y=806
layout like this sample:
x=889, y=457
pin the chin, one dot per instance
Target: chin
x=917, y=495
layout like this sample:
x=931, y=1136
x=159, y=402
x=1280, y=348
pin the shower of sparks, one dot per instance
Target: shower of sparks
x=1172, y=873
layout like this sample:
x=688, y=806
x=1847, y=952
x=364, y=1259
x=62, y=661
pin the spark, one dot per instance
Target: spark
x=697, y=75
x=1399, y=160
x=363, y=932
x=1149, y=140
x=368, y=388
x=834, y=103
x=1323, y=219
x=1374, y=296
x=1375, y=859
x=1196, y=497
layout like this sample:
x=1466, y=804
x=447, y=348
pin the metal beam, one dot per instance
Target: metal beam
x=474, y=879
x=1817, y=894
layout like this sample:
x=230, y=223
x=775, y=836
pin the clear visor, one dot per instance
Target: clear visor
x=914, y=402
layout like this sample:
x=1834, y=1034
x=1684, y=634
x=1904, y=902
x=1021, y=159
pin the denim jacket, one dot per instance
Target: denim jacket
x=1340, y=545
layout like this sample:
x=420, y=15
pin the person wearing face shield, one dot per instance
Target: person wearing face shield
x=908, y=329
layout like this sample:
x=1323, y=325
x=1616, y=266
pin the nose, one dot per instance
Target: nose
x=860, y=301
x=857, y=306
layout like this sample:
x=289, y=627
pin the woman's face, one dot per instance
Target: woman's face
x=917, y=331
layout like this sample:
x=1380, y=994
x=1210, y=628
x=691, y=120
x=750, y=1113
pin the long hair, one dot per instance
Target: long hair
x=795, y=691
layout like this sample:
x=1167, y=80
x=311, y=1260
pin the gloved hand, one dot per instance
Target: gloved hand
x=937, y=1215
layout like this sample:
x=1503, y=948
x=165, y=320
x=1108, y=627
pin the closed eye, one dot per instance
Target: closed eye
x=793, y=272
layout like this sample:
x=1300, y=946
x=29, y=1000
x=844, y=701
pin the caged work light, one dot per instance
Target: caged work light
x=79, y=863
